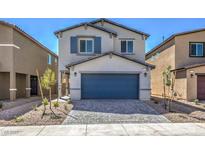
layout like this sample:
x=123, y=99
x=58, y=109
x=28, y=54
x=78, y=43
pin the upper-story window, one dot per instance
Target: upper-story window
x=49, y=59
x=86, y=45
x=196, y=49
x=127, y=46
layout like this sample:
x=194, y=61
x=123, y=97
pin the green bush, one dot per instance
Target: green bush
x=56, y=104
x=19, y=119
x=34, y=107
x=196, y=101
x=45, y=102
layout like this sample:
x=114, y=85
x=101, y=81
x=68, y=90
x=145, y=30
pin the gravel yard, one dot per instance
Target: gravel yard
x=33, y=117
x=176, y=116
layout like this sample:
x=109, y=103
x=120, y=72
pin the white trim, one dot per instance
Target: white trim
x=28, y=88
x=9, y=45
x=13, y=89
x=86, y=39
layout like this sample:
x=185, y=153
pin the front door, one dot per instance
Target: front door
x=34, y=85
x=201, y=87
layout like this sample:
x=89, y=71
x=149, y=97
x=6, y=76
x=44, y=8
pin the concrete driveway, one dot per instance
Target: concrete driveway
x=113, y=111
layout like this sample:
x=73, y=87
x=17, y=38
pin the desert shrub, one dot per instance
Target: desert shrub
x=56, y=104
x=19, y=119
x=45, y=102
x=196, y=101
x=34, y=107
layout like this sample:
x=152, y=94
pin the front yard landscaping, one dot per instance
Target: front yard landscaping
x=181, y=112
x=34, y=117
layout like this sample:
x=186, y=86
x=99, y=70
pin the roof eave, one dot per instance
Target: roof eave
x=82, y=24
x=92, y=58
x=120, y=25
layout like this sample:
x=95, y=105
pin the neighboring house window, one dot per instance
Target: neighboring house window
x=86, y=45
x=127, y=46
x=196, y=49
x=49, y=59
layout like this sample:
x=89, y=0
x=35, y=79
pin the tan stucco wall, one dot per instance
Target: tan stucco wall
x=25, y=59
x=4, y=85
x=182, y=48
x=164, y=59
x=106, y=64
x=186, y=87
x=6, y=37
x=180, y=86
x=30, y=56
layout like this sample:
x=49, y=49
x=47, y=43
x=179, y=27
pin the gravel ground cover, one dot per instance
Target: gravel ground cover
x=176, y=116
x=33, y=117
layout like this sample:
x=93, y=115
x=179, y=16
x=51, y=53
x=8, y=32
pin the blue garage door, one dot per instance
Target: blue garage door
x=110, y=86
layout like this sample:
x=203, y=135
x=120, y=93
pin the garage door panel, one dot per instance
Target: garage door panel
x=110, y=86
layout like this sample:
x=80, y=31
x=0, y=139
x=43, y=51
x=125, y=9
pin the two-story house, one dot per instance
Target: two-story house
x=20, y=56
x=103, y=59
x=185, y=53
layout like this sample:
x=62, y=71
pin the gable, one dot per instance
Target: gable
x=102, y=21
x=119, y=30
x=85, y=26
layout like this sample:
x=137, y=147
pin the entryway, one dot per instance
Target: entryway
x=201, y=87
x=34, y=85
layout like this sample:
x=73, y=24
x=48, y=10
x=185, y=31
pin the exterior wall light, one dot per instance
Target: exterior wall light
x=145, y=72
x=192, y=74
x=75, y=74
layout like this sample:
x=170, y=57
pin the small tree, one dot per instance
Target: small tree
x=48, y=80
x=168, y=83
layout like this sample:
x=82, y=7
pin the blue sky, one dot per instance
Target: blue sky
x=42, y=28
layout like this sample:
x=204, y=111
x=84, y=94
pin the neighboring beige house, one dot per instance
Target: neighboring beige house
x=103, y=59
x=20, y=56
x=185, y=53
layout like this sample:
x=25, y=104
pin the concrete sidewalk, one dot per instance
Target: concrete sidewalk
x=157, y=129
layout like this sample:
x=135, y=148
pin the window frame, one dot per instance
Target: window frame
x=49, y=59
x=190, y=49
x=126, y=52
x=86, y=39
